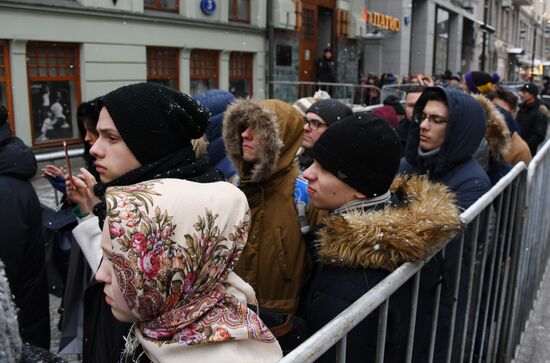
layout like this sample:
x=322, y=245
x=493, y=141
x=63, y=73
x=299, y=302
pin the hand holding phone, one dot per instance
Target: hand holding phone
x=68, y=160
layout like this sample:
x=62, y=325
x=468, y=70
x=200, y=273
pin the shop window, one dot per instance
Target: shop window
x=54, y=90
x=240, y=74
x=5, y=84
x=239, y=10
x=204, y=70
x=342, y=22
x=161, y=5
x=441, y=44
x=283, y=55
x=163, y=66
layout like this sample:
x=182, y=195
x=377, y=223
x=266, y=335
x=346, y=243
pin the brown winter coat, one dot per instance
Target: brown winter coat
x=518, y=151
x=274, y=260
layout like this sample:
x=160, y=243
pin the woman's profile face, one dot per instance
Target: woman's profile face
x=106, y=274
x=113, y=157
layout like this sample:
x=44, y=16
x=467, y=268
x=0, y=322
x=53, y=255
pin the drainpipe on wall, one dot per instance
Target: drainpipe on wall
x=271, y=48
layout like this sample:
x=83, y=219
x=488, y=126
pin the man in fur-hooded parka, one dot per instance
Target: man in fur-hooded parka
x=274, y=260
x=371, y=230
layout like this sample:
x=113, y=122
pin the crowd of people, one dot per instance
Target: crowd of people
x=222, y=229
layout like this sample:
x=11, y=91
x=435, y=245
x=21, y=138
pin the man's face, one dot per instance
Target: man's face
x=251, y=145
x=433, y=125
x=527, y=97
x=326, y=191
x=314, y=127
x=113, y=157
x=328, y=54
x=411, y=101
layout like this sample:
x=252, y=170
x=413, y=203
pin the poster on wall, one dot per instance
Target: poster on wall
x=51, y=110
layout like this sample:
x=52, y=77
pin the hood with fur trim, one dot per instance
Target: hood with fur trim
x=385, y=239
x=497, y=133
x=280, y=127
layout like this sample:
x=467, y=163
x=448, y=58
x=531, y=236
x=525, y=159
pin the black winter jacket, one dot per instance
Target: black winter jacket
x=356, y=250
x=532, y=123
x=21, y=240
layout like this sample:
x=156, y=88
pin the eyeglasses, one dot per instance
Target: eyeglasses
x=433, y=119
x=313, y=124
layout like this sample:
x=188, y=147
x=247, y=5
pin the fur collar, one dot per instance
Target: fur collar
x=497, y=133
x=241, y=114
x=279, y=125
x=387, y=238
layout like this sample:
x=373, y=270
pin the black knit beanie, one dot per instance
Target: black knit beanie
x=363, y=152
x=530, y=88
x=154, y=120
x=330, y=110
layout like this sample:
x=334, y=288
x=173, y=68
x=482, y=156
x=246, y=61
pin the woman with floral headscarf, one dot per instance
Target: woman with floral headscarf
x=169, y=249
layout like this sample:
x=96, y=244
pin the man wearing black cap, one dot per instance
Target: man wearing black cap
x=370, y=231
x=319, y=117
x=326, y=68
x=532, y=122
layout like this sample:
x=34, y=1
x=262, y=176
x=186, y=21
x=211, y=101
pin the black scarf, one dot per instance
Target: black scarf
x=180, y=165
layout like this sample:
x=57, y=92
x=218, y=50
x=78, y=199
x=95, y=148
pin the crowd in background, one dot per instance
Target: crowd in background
x=222, y=229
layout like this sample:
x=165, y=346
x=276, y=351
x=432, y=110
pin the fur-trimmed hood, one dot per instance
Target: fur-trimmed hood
x=278, y=124
x=385, y=239
x=497, y=133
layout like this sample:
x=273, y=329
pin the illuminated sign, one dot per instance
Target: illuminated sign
x=381, y=21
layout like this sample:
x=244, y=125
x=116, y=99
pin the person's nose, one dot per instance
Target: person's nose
x=309, y=174
x=425, y=124
x=246, y=134
x=96, y=150
x=102, y=274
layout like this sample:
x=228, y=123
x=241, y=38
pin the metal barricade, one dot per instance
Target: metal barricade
x=291, y=91
x=534, y=252
x=500, y=261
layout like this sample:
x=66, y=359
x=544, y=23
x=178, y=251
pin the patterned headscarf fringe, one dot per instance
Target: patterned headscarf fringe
x=131, y=344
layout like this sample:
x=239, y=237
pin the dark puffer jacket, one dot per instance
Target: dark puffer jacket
x=533, y=124
x=216, y=101
x=357, y=250
x=454, y=167
x=21, y=240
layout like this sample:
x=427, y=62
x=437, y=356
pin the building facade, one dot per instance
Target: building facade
x=55, y=54
x=58, y=53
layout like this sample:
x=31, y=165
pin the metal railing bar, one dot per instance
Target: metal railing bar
x=58, y=155
x=382, y=328
x=480, y=287
x=327, y=336
x=494, y=246
x=341, y=348
x=437, y=299
x=412, y=324
x=473, y=250
x=497, y=286
x=456, y=291
x=469, y=214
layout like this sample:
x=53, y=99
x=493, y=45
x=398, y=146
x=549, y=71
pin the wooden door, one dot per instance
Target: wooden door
x=308, y=42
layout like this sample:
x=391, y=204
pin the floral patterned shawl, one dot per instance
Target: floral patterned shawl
x=174, y=243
